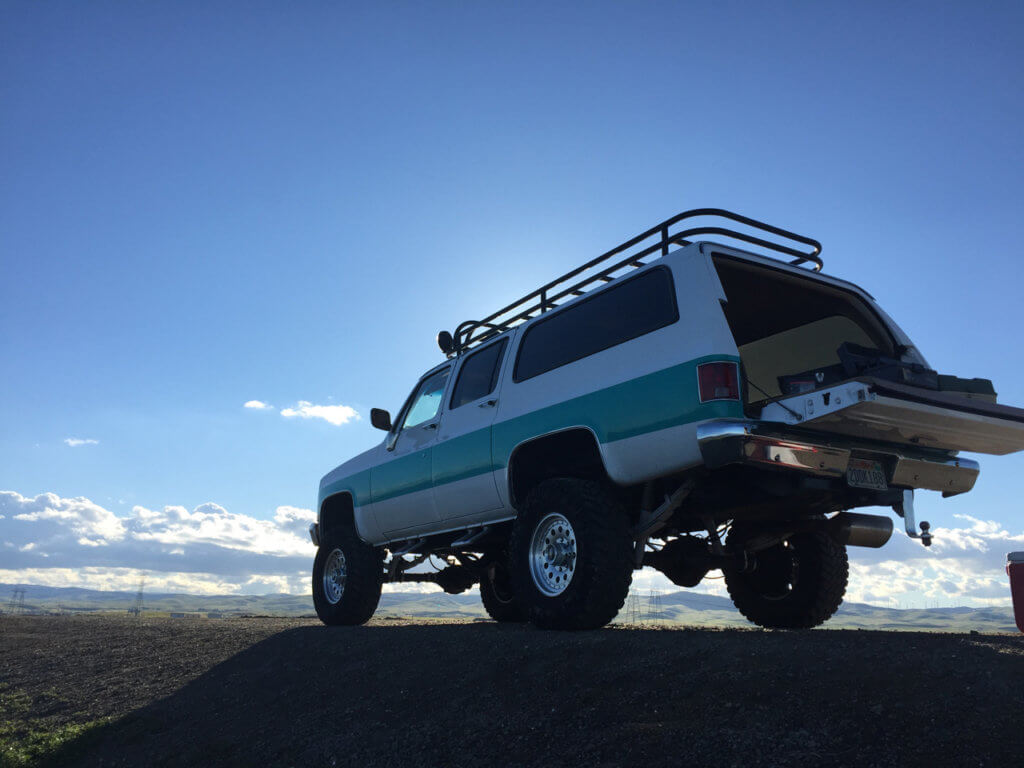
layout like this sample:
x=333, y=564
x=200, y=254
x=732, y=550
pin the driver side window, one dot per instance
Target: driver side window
x=427, y=400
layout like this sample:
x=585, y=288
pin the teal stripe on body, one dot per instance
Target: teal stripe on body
x=663, y=399
x=463, y=456
x=358, y=485
x=659, y=400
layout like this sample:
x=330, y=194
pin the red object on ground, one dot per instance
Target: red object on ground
x=1015, y=569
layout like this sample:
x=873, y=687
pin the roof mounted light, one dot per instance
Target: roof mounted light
x=445, y=342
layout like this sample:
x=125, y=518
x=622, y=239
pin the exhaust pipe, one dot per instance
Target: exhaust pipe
x=856, y=530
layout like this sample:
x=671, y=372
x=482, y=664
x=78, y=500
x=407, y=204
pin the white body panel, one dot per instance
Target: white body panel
x=654, y=454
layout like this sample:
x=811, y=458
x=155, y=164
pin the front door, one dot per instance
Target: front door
x=401, y=486
x=463, y=471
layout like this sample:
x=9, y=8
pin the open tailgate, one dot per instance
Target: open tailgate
x=883, y=410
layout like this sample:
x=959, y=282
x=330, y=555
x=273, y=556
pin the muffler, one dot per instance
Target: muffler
x=857, y=530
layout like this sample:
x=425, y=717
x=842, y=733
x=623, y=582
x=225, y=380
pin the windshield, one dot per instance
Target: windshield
x=427, y=400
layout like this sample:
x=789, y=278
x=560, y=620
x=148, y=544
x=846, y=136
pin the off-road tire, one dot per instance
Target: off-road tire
x=819, y=577
x=364, y=575
x=498, y=597
x=603, y=568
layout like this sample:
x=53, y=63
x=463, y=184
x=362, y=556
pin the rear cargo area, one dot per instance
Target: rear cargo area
x=789, y=329
x=819, y=357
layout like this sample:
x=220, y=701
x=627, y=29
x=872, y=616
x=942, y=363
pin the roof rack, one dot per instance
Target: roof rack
x=472, y=332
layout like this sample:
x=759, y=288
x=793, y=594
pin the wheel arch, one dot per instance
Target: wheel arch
x=336, y=510
x=569, y=452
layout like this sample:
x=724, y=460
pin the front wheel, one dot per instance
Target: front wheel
x=796, y=584
x=571, y=555
x=347, y=577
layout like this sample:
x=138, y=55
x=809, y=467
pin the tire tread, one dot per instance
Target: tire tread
x=602, y=525
x=364, y=577
x=831, y=577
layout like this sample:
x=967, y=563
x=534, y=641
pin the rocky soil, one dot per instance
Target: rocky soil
x=291, y=692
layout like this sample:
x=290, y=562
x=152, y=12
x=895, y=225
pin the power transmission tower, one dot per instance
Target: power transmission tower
x=633, y=608
x=17, y=604
x=653, y=606
x=136, y=610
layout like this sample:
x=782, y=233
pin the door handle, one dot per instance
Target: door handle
x=488, y=404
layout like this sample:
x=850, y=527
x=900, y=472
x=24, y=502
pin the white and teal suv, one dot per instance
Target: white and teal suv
x=674, y=403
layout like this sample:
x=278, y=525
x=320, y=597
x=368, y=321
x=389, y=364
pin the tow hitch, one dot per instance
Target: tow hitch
x=905, y=509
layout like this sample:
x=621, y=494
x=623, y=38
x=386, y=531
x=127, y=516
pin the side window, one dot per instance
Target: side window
x=617, y=314
x=427, y=400
x=479, y=374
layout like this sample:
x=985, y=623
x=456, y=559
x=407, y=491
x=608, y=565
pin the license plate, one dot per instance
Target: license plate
x=866, y=474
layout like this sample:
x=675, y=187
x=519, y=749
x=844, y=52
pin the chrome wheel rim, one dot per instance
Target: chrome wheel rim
x=553, y=554
x=334, y=576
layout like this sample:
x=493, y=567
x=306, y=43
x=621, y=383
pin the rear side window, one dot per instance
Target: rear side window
x=619, y=313
x=479, y=374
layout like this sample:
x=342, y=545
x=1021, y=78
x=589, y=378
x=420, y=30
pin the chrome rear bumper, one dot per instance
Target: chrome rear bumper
x=727, y=441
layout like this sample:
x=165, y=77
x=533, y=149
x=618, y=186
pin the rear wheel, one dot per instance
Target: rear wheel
x=497, y=595
x=347, y=576
x=571, y=555
x=796, y=584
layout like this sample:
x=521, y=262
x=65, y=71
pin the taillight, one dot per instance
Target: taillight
x=718, y=381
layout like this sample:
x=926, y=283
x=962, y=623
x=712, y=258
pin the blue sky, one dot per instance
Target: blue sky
x=205, y=205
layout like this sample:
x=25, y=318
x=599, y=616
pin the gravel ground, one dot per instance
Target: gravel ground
x=291, y=692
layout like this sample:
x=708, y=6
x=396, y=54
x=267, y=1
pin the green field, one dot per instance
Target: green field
x=676, y=608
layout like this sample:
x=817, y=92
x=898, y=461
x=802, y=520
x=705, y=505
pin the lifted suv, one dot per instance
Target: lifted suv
x=675, y=403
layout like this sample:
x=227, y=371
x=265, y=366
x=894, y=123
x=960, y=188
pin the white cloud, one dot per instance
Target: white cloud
x=57, y=541
x=75, y=442
x=258, y=405
x=201, y=547
x=75, y=518
x=332, y=414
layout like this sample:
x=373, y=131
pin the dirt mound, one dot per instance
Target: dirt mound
x=291, y=692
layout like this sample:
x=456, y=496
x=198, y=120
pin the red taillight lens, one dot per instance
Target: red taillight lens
x=718, y=381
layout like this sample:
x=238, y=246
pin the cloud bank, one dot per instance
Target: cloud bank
x=58, y=541
x=75, y=442
x=55, y=541
x=258, y=405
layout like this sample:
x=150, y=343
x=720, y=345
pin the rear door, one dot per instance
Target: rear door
x=463, y=471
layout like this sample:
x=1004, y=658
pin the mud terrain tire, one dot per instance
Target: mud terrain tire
x=498, y=597
x=358, y=571
x=797, y=584
x=595, y=547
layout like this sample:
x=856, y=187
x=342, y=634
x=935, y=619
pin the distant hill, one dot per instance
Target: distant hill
x=686, y=608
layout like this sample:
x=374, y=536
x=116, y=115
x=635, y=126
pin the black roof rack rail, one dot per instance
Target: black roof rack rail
x=546, y=297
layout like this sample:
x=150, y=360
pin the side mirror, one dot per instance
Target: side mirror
x=381, y=419
x=445, y=342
